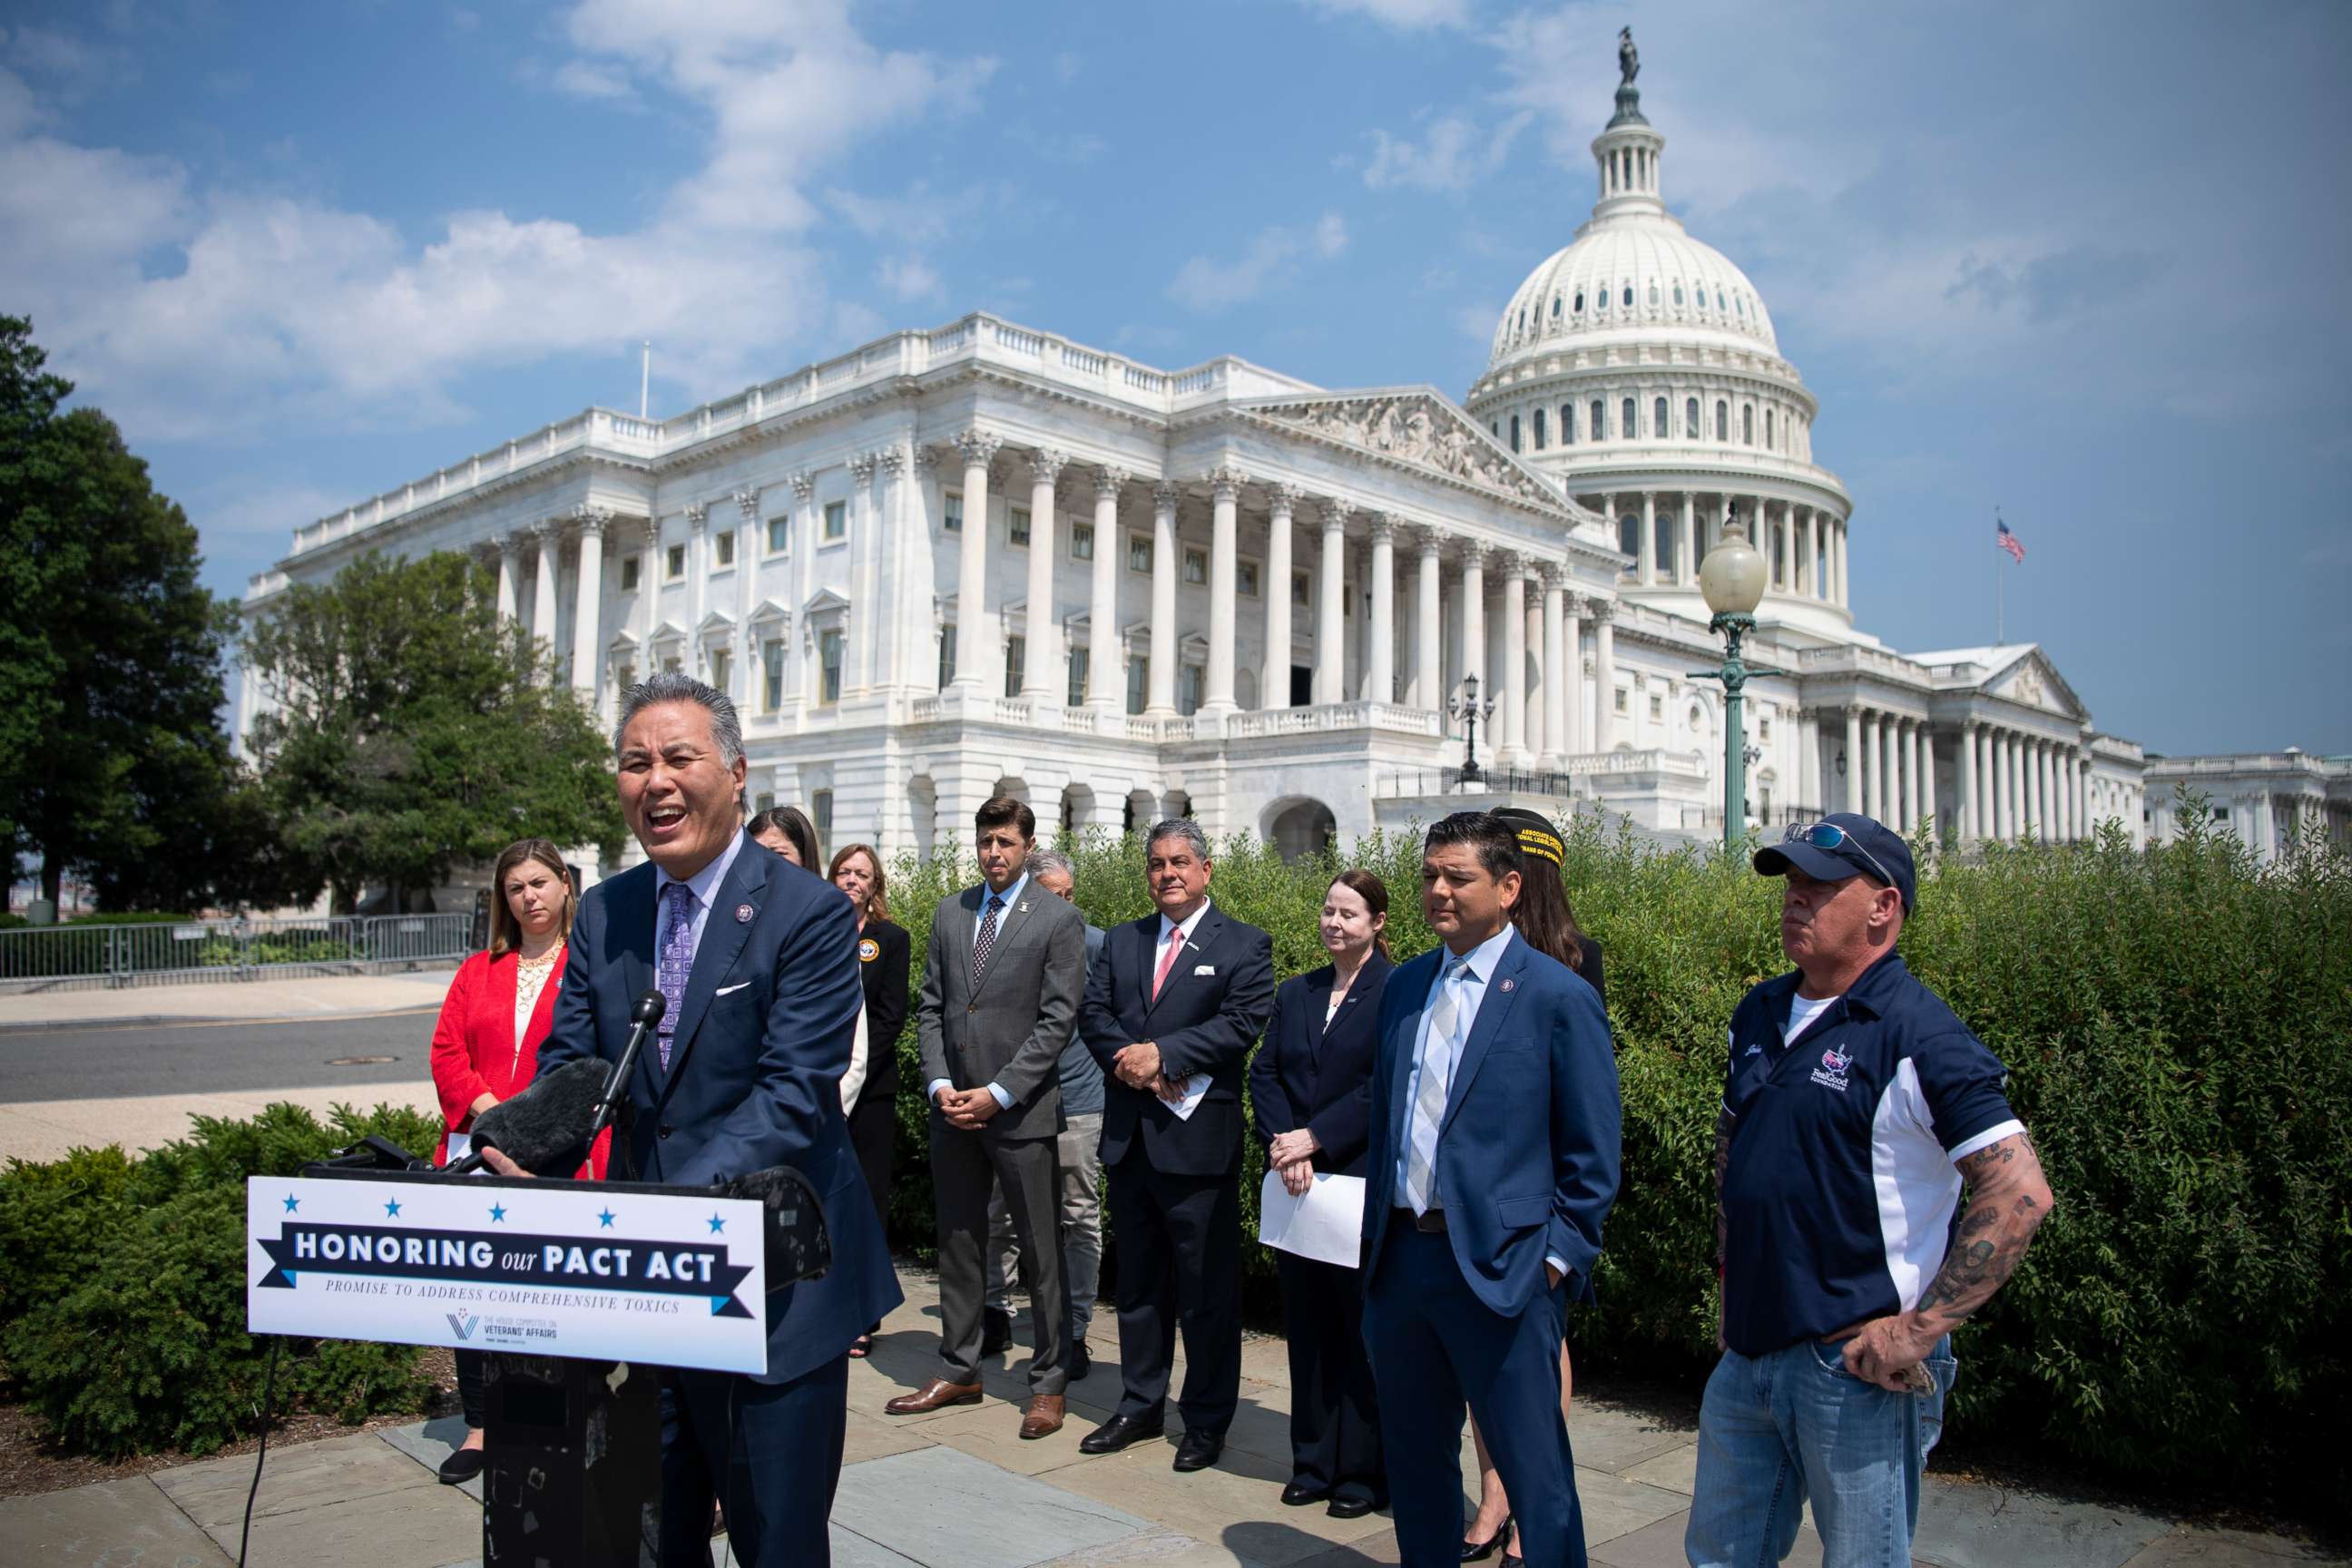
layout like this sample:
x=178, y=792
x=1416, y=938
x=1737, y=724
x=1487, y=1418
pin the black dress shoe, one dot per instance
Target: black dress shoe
x=1119, y=1431
x=1355, y=1505
x=1298, y=1494
x=1198, y=1451
x=462, y=1466
x=995, y=1332
x=1080, y=1363
x=1479, y=1551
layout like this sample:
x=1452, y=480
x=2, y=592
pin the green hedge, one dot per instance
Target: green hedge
x=122, y=1289
x=2178, y=1023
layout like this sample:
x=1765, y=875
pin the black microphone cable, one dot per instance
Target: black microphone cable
x=269, y=1408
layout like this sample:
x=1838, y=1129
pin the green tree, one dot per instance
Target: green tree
x=110, y=742
x=404, y=728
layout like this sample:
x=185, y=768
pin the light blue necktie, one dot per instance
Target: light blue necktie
x=1437, y=1058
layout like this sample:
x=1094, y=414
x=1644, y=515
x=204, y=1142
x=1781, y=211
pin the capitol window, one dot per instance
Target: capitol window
x=1082, y=542
x=836, y=521
x=772, y=670
x=1139, y=553
x=1768, y=426
x=725, y=545
x=1662, y=547
x=629, y=570
x=1539, y=429
x=1196, y=565
x=1628, y=536
x=1653, y=294
x=1568, y=424
x=1659, y=425
x=1077, y=694
x=1748, y=424
x=1628, y=300
x=1678, y=293
x=946, y=654
x=828, y=659
x=1138, y=681
x=1720, y=303
x=674, y=564
x=1626, y=427
x=1690, y=418
x=1302, y=590
x=780, y=533
x=1515, y=432
x=722, y=667
x=1722, y=420
x=1190, y=681
x=1016, y=663
x=1016, y=526
x=1600, y=426
x=1579, y=301
x=1245, y=579
x=951, y=511
x=1555, y=307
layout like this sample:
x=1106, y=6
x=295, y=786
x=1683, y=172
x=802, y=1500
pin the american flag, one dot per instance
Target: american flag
x=2007, y=541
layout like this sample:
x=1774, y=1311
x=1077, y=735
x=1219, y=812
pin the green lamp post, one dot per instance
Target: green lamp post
x=1731, y=579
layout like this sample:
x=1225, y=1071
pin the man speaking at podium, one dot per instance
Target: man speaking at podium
x=757, y=960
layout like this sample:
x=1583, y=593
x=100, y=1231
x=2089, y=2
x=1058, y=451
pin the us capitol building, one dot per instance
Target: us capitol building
x=982, y=558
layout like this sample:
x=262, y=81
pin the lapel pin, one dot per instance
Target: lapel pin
x=1510, y=985
x=743, y=914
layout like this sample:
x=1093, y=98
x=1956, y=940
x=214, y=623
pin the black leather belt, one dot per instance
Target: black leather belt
x=1430, y=1224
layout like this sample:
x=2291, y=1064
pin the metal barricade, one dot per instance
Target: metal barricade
x=202, y=951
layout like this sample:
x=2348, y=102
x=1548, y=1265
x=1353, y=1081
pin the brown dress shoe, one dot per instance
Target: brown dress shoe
x=1045, y=1417
x=936, y=1394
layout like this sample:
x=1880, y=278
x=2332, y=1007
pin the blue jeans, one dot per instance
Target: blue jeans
x=1776, y=1429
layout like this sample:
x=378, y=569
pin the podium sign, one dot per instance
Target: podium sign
x=604, y=1271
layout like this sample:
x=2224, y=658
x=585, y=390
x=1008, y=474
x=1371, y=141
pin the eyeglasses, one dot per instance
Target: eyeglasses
x=1830, y=836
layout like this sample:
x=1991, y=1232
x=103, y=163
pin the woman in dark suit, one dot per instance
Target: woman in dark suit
x=1311, y=1086
x=1547, y=924
x=870, y=1098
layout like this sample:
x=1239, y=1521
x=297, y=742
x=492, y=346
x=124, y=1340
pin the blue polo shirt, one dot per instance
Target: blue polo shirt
x=1842, y=1191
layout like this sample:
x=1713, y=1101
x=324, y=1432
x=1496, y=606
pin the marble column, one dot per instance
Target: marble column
x=1648, y=555
x=1968, y=824
x=1605, y=675
x=1872, y=779
x=588, y=606
x=975, y=636
x=1162, y=703
x=1106, y=668
x=1274, y=677
x=1687, y=543
x=1890, y=773
x=1616, y=535
x=2020, y=803
x=1906, y=748
x=1330, y=606
x=1225, y=544
x=1474, y=615
x=1044, y=676
x=509, y=551
x=542, y=597
x=1573, y=734
x=1380, y=664
x=1428, y=649
x=1854, y=760
x=1556, y=743
x=1511, y=690
x=2045, y=796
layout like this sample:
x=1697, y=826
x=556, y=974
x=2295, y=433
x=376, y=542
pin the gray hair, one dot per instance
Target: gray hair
x=1182, y=827
x=672, y=686
x=1053, y=862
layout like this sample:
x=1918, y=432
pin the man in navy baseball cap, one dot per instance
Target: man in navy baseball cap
x=1841, y=845
x=1857, y=1110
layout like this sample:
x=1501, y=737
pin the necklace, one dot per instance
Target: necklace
x=531, y=978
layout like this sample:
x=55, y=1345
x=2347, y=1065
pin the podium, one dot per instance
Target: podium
x=582, y=1292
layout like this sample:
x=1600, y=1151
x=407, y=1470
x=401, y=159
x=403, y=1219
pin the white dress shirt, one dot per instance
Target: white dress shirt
x=703, y=884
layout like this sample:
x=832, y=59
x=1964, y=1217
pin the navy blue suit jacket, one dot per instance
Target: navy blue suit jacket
x=1213, y=1009
x=1307, y=1075
x=1528, y=1151
x=754, y=1074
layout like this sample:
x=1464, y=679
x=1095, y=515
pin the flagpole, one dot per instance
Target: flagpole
x=2000, y=583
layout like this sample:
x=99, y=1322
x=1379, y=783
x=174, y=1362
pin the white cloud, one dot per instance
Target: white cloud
x=1453, y=156
x=1272, y=257
x=1407, y=15
x=188, y=309
x=911, y=279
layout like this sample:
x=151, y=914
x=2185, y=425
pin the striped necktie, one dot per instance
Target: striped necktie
x=1437, y=1059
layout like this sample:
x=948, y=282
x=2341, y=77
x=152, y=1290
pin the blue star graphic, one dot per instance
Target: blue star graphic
x=716, y=1224
x=498, y=1213
x=605, y=1219
x=292, y=1203
x=392, y=1209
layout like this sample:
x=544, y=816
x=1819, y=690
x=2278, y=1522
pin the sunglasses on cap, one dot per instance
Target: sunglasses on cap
x=1830, y=836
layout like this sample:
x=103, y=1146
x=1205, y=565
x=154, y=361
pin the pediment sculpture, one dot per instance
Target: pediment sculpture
x=1415, y=430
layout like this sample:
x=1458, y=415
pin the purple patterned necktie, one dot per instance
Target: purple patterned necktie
x=676, y=959
x=987, y=938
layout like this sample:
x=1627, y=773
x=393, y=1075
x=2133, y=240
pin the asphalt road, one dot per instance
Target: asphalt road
x=214, y=1058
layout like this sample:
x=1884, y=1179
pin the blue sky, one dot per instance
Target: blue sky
x=2084, y=261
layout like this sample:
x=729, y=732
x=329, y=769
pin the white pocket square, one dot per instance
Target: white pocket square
x=731, y=990
x=1204, y=969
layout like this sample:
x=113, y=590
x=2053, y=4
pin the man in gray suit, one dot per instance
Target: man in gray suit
x=1080, y=1150
x=1003, y=977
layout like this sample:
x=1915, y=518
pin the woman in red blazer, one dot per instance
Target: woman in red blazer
x=486, y=1046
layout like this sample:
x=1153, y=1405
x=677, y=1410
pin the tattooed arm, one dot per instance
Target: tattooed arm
x=2008, y=1198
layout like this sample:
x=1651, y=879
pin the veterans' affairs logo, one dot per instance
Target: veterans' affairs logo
x=1831, y=1073
x=869, y=950
x=462, y=1323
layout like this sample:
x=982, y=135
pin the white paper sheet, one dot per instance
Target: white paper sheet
x=1190, y=1093
x=1324, y=1223
x=461, y=1145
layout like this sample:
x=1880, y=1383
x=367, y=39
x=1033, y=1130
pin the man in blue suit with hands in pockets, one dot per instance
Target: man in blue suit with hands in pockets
x=758, y=963
x=1494, y=1159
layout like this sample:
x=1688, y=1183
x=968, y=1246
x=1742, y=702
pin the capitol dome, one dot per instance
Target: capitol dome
x=1638, y=370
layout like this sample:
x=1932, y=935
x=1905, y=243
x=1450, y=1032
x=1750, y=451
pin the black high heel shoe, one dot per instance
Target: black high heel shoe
x=1479, y=1551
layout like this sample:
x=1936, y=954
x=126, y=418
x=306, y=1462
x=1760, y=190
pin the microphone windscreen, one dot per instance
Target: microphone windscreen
x=799, y=1244
x=545, y=1128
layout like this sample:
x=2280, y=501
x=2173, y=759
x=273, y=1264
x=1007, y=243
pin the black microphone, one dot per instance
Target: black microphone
x=539, y=1129
x=644, y=1014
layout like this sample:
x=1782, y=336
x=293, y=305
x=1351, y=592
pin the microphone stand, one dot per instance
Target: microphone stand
x=643, y=1017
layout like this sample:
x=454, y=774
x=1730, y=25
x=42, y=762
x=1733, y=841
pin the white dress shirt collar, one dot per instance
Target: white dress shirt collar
x=703, y=883
x=1190, y=923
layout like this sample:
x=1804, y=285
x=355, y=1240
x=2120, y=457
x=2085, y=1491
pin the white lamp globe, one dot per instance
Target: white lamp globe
x=1731, y=578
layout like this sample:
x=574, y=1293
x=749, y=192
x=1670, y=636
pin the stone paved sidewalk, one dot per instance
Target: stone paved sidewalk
x=960, y=1489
